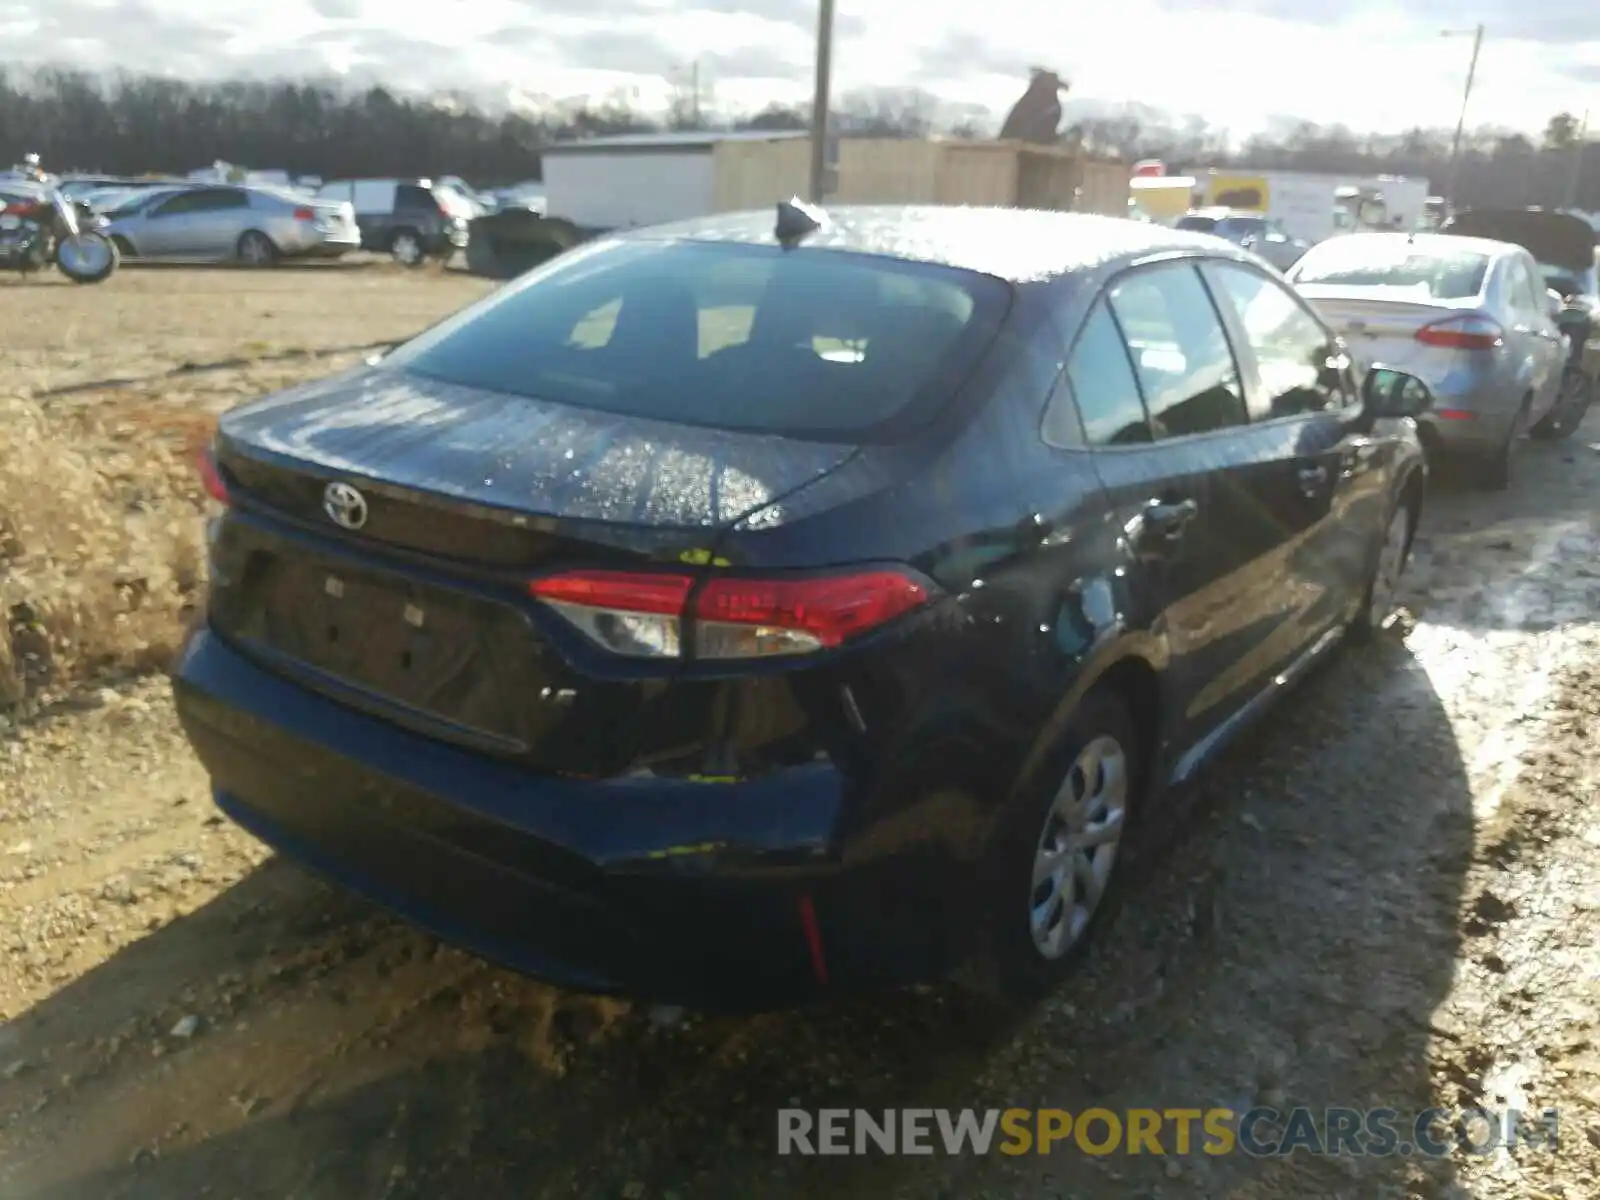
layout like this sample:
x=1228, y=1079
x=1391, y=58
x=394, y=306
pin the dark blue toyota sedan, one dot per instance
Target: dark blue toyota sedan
x=734, y=612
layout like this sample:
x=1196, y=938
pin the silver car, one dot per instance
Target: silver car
x=254, y=225
x=1469, y=316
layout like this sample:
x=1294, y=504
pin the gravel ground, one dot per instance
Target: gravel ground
x=1389, y=897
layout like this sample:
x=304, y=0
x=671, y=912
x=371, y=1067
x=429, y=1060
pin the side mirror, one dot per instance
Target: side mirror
x=1386, y=392
x=1554, y=301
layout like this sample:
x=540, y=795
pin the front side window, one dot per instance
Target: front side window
x=1295, y=356
x=811, y=343
x=1180, y=352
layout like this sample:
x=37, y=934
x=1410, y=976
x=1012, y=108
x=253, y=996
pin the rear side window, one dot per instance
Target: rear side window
x=1180, y=352
x=1529, y=291
x=810, y=343
x=408, y=197
x=201, y=201
x=1100, y=377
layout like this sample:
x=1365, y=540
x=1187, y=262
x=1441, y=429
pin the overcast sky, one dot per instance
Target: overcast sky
x=1372, y=64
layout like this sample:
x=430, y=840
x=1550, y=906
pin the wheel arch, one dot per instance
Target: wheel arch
x=1129, y=665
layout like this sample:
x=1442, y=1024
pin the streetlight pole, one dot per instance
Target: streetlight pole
x=819, y=101
x=1461, y=120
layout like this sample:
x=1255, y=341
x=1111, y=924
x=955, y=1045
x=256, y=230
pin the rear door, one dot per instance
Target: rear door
x=221, y=219
x=1192, y=540
x=1311, y=474
x=1537, y=339
x=1148, y=486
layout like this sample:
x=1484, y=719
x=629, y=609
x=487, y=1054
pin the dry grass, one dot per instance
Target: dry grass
x=100, y=547
x=101, y=512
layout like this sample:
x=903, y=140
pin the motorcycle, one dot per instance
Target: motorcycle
x=38, y=230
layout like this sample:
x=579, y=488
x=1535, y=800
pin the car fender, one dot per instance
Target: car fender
x=1113, y=645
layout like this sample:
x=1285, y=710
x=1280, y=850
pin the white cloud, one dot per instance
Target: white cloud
x=1374, y=68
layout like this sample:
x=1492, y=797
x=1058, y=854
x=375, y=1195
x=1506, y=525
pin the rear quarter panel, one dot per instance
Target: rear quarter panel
x=938, y=723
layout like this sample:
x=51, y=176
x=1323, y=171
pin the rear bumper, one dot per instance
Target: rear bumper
x=318, y=246
x=722, y=896
x=1472, y=413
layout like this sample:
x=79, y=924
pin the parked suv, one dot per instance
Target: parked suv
x=412, y=219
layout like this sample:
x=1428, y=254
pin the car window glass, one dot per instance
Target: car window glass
x=728, y=335
x=1101, y=381
x=1296, y=357
x=1181, y=355
x=408, y=197
x=1533, y=287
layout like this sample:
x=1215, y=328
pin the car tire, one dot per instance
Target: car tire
x=1378, y=601
x=1496, y=468
x=405, y=247
x=1571, y=406
x=1038, y=919
x=255, y=249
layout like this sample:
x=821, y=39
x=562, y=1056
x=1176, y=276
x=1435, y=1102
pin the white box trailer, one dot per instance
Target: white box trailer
x=636, y=179
x=1305, y=201
x=621, y=182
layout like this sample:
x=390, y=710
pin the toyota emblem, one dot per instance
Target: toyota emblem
x=345, y=506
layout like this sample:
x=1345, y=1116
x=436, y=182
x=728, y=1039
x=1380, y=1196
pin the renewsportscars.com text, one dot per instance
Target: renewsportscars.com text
x=1258, y=1132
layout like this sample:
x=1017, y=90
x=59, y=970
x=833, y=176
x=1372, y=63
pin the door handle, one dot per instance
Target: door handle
x=1168, y=519
x=1312, y=478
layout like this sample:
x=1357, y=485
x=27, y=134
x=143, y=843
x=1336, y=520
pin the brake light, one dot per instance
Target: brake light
x=1462, y=333
x=305, y=214
x=211, y=477
x=642, y=614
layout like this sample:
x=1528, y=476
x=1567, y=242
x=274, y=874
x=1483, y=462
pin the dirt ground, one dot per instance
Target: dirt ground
x=1390, y=897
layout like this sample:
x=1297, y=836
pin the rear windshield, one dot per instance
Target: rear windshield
x=1451, y=275
x=1197, y=224
x=809, y=343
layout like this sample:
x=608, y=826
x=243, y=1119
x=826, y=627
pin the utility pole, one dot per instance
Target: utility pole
x=694, y=96
x=1461, y=120
x=820, y=101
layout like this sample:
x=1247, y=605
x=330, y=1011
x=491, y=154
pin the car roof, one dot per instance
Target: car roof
x=1434, y=243
x=1018, y=245
x=1224, y=213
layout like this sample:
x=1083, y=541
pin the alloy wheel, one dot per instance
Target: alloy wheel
x=1077, y=848
x=407, y=250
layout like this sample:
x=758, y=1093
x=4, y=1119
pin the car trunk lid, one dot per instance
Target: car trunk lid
x=1381, y=324
x=422, y=610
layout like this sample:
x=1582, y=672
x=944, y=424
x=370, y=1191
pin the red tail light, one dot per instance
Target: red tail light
x=642, y=614
x=211, y=477
x=1463, y=333
x=305, y=214
x=21, y=208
